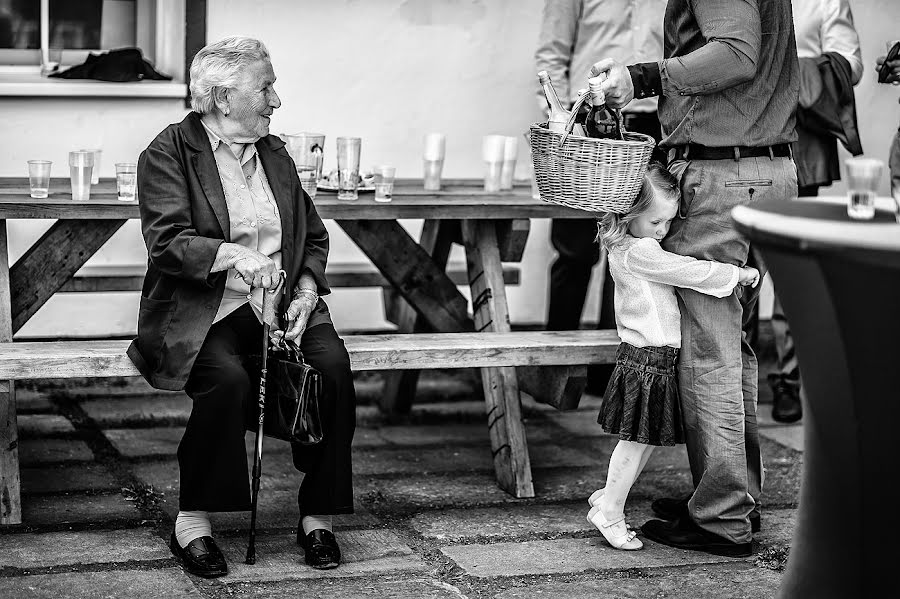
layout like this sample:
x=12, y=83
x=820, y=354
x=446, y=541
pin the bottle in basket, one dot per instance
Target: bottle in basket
x=601, y=122
x=559, y=116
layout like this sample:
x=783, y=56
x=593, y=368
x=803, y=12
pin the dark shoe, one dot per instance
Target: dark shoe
x=684, y=534
x=786, y=406
x=320, y=548
x=672, y=508
x=201, y=557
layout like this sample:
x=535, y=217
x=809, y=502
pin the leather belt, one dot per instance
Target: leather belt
x=698, y=152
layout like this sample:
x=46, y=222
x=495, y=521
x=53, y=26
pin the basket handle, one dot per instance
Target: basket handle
x=578, y=104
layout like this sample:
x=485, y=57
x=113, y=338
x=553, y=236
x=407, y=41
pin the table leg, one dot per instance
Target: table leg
x=400, y=385
x=501, y=389
x=10, y=492
x=67, y=245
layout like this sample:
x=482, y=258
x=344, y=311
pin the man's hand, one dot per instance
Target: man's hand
x=893, y=67
x=617, y=86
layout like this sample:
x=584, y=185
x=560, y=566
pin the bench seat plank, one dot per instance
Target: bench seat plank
x=106, y=358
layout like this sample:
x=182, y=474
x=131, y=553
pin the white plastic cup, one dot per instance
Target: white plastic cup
x=39, y=178
x=384, y=183
x=81, y=165
x=492, y=152
x=348, y=153
x=126, y=181
x=863, y=175
x=510, y=155
x=435, y=148
x=95, y=174
x=432, y=174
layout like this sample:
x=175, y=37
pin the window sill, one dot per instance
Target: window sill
x=33, y=85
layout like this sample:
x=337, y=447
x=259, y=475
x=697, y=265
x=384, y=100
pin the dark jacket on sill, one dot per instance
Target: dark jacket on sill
x=184, y=219
x=123, y=65
x=827, y=113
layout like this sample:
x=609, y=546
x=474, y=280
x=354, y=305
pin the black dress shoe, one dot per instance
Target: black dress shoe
x=320, y=548
x=786, y=406
x=684, y=534
x=672, y=508
x=201, y=557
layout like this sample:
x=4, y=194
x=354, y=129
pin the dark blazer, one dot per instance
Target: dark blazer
x=184, y=219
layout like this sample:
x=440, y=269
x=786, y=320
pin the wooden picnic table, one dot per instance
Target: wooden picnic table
x=493, y=228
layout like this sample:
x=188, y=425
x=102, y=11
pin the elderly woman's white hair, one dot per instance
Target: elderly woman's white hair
x=219, y=64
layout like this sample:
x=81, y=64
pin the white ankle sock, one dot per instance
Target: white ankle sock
x=190, y=526
x=311, y=523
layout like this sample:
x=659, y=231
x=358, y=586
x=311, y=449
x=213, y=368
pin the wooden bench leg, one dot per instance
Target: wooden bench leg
x=10, y=497
x=501, y=389
x=400, y=385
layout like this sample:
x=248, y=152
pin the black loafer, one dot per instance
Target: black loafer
x=684, y=534
x=320, y=548
x=201, y=557
x=672, y=508
x=786, y=405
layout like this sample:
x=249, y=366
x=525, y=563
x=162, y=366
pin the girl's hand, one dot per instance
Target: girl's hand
x=748, y=276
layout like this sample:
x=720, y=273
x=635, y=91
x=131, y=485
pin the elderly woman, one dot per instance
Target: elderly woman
x=222, y=211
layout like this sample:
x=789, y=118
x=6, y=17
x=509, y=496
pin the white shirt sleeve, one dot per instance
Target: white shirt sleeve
x=646, y=260
x=839, y=34
x=556, y=44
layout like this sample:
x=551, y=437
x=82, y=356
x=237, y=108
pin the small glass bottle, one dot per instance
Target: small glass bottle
x=601, y=122
x=559, y=116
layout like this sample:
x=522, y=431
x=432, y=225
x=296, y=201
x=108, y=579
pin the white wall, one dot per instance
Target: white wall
x=385, y=70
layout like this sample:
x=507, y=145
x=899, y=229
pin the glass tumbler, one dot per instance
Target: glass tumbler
x=81, y=165
x=348, y=151
x=126, y=181
x=39, y=178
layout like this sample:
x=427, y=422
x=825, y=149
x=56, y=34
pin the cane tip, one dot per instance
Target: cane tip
x=250, y=559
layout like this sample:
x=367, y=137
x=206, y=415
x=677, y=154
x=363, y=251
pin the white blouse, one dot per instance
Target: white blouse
x=646, y=275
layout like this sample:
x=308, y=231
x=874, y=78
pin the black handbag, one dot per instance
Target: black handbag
x=293, y=389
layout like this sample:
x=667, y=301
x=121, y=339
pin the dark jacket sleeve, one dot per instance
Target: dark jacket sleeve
x=173, y=244
x=315, y=249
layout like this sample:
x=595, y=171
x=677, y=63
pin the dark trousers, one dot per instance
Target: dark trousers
x=577, y=254
x=223, y=385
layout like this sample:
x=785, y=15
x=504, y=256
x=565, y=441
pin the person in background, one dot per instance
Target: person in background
x=641, y=404
x=222, y=212
x=893, y=76
x=830, y=65
x=728, y=88
x=573, y=32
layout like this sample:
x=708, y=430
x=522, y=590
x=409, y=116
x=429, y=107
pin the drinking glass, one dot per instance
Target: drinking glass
x=863, y=175
x=348, y=150
x=126, y=181
x=433, y=160
x=81, y=165
x=510, y=155
x=95, y=173
x=39, y=178
x=384, y=183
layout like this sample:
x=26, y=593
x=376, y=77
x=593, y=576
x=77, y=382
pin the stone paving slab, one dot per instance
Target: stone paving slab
x=567, y=556
x=725, y=581
x=789, y=436
x=163, y=441
x=365, y=552
x=73, y=477
x=437, y=490
x=39, y=425
x=475, y=433
x=170, y=583
x=51, y=451
x=57, y=549
x=55, y=510
x=383, y=587
x=116, y=411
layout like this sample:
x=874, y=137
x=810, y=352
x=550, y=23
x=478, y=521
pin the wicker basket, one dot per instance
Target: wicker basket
x=596, y=175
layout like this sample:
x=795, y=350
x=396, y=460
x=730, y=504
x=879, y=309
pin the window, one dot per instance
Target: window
x=77, y=28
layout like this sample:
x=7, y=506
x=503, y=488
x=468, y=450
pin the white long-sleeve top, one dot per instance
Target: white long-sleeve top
x=822, y=26
x=646, y=275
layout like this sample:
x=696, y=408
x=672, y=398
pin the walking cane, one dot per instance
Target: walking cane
x=268, y=315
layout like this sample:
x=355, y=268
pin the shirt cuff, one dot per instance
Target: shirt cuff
x=646, y=79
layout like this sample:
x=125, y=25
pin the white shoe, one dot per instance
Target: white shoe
x=615, y=532
x=594, y=499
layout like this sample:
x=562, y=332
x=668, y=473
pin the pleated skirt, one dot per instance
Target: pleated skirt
x=641, y=402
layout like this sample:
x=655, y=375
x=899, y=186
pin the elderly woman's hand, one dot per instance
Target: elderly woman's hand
x=298, y=313
x=256, y=269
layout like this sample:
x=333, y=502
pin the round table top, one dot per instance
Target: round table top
x=819, y=223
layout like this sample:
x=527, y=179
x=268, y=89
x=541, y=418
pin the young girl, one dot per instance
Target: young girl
x=641, y=403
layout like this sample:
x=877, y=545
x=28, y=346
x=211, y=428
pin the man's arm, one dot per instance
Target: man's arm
x=839, y=35
x=555, y=45
x=733, y=35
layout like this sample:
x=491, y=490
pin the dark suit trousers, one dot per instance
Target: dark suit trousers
x=577, y=254
x=224, y=383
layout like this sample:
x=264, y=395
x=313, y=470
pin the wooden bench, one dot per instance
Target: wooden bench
x=101, y=278
x=565, y=349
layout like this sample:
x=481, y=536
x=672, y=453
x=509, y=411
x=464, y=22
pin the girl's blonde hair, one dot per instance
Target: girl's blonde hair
x=658, y=183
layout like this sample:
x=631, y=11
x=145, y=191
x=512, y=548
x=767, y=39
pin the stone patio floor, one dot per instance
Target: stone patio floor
x=99, y=497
